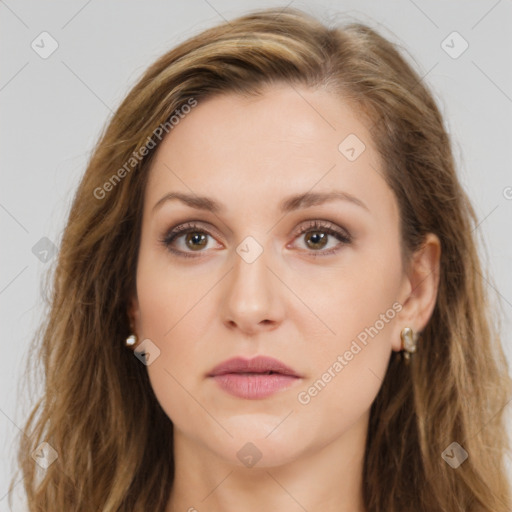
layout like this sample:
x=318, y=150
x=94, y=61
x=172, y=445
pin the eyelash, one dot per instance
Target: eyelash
x=191, y=227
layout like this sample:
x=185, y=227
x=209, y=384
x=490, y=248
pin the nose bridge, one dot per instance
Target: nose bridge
x=250, y=272
x=251, y=296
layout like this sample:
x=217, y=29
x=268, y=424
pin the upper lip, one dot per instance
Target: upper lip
x=259, y=364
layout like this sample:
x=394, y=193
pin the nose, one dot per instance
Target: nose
x=252, y=300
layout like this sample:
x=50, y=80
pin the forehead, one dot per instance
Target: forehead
x=287, y=140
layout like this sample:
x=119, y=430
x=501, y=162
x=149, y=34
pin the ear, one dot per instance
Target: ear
x=419, y=292
x=134, y=314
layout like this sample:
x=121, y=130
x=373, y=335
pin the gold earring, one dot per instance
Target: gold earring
x=131, y=340
x=409, y=342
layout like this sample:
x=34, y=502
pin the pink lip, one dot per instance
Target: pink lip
x=247, y=378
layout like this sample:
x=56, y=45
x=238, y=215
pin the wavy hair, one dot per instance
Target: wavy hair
x=98, y=409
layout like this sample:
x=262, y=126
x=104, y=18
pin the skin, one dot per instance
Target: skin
x=249, y=154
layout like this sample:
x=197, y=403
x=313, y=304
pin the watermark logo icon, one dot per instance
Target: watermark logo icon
x=147, y=352
x=351, y=147
x=44, y=45
x=44, y=249
x=44, y=455
x=454, y=45
x=249, y=454
x=249, y=249
x=454, y=455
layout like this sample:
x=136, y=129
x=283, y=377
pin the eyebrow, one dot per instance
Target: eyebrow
x=289, y=204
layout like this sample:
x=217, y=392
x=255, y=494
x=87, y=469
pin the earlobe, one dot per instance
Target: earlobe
x=422, y=284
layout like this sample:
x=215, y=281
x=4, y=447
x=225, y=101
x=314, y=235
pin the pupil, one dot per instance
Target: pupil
x=318, y=237
x=195, y=237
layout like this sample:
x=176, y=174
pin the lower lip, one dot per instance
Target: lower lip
x=253, y=386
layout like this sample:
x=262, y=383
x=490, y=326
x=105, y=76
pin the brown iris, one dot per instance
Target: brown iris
x=196, y=236
x=317, y=237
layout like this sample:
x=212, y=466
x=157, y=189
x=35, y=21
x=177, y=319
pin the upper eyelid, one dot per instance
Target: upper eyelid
x=189, y=225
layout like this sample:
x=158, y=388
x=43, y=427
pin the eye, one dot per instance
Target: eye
x=195, y=238
x=318, y=234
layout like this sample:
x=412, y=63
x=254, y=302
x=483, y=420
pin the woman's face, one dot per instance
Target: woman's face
x=258, y=277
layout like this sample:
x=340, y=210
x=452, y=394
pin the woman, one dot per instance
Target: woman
x=268, y=295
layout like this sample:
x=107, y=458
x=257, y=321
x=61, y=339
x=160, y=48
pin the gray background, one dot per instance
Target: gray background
x=54, y=108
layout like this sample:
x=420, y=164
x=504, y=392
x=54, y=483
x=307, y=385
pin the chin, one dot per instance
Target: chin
x=254, y=448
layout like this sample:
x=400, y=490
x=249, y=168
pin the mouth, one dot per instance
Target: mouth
x=255, y=378
x=260, y=365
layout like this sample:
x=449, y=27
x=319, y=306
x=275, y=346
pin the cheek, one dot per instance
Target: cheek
x=341, y=394
x=348, y=367
x=171, y=317
x=168, y=297
x=359, y=299
x=349, y=363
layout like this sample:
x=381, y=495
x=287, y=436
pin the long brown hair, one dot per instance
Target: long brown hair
x=98, y=410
